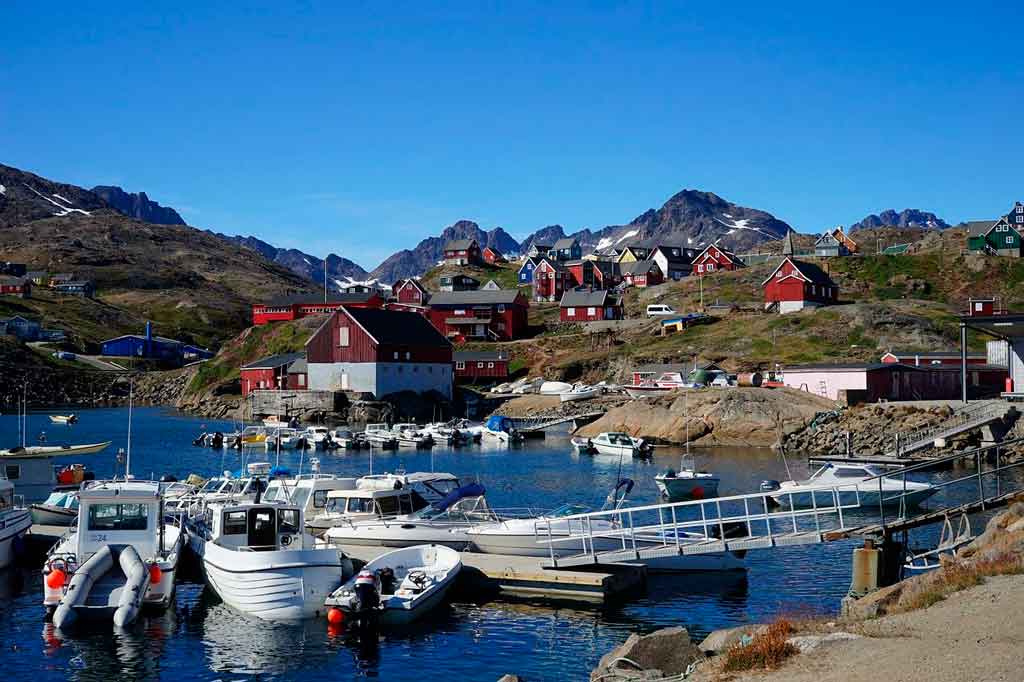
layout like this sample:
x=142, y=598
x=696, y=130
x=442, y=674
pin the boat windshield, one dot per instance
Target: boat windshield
x=212, y=485
x=470, y=509
x=568, y=510
x=874, y=470
x=118, y=516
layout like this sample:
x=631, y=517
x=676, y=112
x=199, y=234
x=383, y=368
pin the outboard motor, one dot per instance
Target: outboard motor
x=200, y=439
x=769, y=485
x=366, y=604
x=217, y=441
x=387, y=580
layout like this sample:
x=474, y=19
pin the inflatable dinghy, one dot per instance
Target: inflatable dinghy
x=111, y=584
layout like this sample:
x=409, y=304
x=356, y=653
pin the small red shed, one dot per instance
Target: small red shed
x=589, y=306
x=275, y=373
x=492, y=255
x=795, y=285
x=411, y=291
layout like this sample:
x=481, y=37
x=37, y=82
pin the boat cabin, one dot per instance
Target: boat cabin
x=367, y=504
x=119, y=513
x=308, y=491
x=256, y=526
x=846, y=471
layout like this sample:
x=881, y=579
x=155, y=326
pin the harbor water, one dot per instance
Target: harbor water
x=202, y=639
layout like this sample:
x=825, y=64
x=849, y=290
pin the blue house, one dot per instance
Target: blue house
x=154, y=348
x=526, y=271
x=566, y=249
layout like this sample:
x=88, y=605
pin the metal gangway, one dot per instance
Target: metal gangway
x=535, y=424
x=963, y=420
x=772, y=519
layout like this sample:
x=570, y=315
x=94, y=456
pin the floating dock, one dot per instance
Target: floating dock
x=883, y=460
x=520, y=576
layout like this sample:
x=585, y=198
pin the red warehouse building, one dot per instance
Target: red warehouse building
x=715, y=258
x=484, y=314
x=594, y=274
x=462, y=252
x=275, y=373
x=796, y=285
x=590, y=306
x=288, y=308
x=481, y=366
x=379, y=352
x=16, y=286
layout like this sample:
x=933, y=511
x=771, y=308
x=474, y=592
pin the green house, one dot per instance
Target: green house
x=1001, y=237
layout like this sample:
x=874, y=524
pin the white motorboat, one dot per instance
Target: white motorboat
x=473, y=431
x=411, y=436
x=618, y=445
x=308, y=491
x=220, y=488
x=647, y=390
x=55, y=450
x=852, y=484
x=63, y=419
x=348, y=440
x=442, y=523
x=15, y=520
x=275, y=423
x=283, y=439
x=365, y=503
x=259, y=560
x=121, y=556
x=581, y=393
x=688, y=483
x=554, y=388
x=380, y=436
x=59, y=509
x=317, y=436
x=400, y=586
x=502, y=430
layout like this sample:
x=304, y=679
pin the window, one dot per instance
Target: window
x=320, y=499
x=302, y=381
x=234, y=523
x=978, y=306
x=1020, y=208
x=1020, y=219
x=288, y=521
x=571, y=312
x=396, y=355
x=343, y=337
x=460, y=365
x=711, y=267
x=779, y=274
x=591, y=311
x=501, y=307
x=700, y=268
x=490, y=365
x=408, y=355
x=1009, y=239
x=360, y=505
x=118, y=516
x=479, y=365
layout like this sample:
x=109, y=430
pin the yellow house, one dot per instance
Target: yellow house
x=632, y=254
x=845, y=239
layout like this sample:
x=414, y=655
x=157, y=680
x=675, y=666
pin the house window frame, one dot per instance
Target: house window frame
x=460, y=364
x=344, y=337
x=570, y=312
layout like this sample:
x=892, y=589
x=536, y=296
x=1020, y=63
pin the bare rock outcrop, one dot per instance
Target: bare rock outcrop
x=664, y=653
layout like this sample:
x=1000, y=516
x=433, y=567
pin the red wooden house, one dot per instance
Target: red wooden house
x=715, y=258
x=550, y=279
x=491, y=255
x=462, y=252
x=795, y=285
x=277, y=372
x=481, y=366
x=294, y=307
x=594, y=274
x=379, y=352
x=579, y=305
x=411, y=291
x=16, y=286
x=492, y=315
x=642, y=273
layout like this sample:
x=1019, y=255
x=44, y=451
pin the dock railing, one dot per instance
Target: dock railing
x=771, y=518
x=964, y=419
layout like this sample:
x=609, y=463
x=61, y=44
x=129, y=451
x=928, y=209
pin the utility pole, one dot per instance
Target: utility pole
x=325, y=280
x=700, y=281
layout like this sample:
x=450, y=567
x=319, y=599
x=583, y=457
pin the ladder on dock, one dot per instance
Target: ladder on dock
x=966, y=419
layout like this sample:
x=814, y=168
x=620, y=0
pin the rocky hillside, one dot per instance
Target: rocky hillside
x=339, y=270
x=411, y=262
x=908, y=217
x=138, y=205
x=25, y=197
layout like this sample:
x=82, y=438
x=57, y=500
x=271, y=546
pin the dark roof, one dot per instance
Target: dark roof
x=312, y=299
x=540, y=246
x=397, y=328
x=588, y=298
x=607, y=267
x=12, y=280
x=564, y=243
x=299, y=366
x=846, y=366
x=978, y=228
x=637, y=267
x=275, y=361
x=475, y=356
x=813, y=272
x=459, y=244
x=478, y=297
x=459, y=276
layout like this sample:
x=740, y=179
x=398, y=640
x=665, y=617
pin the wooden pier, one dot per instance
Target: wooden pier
x=520, y=576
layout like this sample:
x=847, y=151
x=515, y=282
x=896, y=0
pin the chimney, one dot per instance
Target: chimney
x=149, y=331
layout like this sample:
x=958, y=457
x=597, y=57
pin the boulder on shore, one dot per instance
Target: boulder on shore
x=719, y=641
x=663, y=653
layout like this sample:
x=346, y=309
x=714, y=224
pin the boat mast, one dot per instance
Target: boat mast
x=128, y=455
x=24, y=413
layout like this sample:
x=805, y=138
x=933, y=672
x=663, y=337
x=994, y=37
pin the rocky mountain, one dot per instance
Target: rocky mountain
x=191, y=283
x=339, y=270
x=25, y=197
x=138, y=205
x=908, y=217
x=411, y=262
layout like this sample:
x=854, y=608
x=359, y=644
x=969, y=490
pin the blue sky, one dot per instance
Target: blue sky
x=361, y=128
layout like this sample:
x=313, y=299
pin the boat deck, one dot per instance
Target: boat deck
x=519, y=576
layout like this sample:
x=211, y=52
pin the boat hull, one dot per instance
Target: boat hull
x=15, y=525
x=396, y=536
x=49, y=515
x=676, y=489
x=867, y=499
x=279, y=585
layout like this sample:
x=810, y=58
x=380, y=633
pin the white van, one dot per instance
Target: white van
x=659, y=309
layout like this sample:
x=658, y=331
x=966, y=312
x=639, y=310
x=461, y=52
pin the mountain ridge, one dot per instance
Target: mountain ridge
x=137, y=205
x=908, y=217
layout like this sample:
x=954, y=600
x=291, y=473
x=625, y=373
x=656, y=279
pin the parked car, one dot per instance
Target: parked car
x=659, y=309
x=64, y=355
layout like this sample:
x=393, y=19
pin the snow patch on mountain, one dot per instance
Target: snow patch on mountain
x=64, y=210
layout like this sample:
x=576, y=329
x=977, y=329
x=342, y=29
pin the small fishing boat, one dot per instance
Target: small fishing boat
x=15, y=520
x=581, y=393
x=501, y=429
x=121, y=556
x=317, y=436
x=258, y=558
x=554, y=388
x=59, y=509
x=399, y=586
x=57, y=450
x=687, y=484
x=864, y=484
x=380, y=436
x=411, y=436
x=283, y=439
x=348, y=440
x=615, y=444
x=63, y=418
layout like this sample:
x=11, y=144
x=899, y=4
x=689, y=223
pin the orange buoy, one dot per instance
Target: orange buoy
x=335, y=615
x=155, y=574
x=55, y=579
